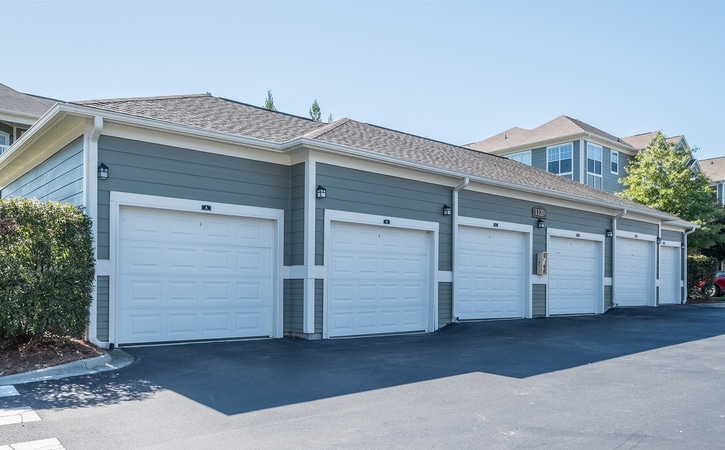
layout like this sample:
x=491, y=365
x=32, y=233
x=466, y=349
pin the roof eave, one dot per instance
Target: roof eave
x=353, y=151
x=615, y=145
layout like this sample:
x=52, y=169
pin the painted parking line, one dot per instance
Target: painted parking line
x=44, y=444
x=23, y=414
x=8, y=391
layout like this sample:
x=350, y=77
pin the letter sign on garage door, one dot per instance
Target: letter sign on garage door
x=190, y=276
x=379, y=280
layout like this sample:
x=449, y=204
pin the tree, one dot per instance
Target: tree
x=269, y=102
x=662, y=177
x=329, y=118
x=315, y=112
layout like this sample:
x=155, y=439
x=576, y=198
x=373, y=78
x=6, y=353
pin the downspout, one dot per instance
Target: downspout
x=614, y=250
x=454, y=237
x=684, y=265
x=90, y=202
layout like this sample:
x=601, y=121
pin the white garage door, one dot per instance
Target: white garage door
x=379, y=280
x=491, y=273
x=187, y=276
x=575, y=270
x=634, y=272
x=669, y=275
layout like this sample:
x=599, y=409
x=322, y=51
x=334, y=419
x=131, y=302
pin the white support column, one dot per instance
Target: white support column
x=308, y=322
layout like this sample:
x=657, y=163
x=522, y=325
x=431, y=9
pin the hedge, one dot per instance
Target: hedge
x=700, y=267
x=47, y=270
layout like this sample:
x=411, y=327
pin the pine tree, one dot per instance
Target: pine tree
x=269, y=102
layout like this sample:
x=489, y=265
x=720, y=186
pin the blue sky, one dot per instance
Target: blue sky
x=457, y=72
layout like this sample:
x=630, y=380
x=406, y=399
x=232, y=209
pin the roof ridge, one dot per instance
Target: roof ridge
x=327, y=128
x=135, y=99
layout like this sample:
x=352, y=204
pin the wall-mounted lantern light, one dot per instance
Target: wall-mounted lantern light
x=321, y=192
x=682, y=246
x=609, y=233
x=447, y=210
x=659, y=240
x=102, y=172
x=541, y=223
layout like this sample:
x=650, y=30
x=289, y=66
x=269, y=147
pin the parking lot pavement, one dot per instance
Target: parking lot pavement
x=639, y=377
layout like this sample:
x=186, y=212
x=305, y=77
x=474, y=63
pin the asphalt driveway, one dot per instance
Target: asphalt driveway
x=641, y=377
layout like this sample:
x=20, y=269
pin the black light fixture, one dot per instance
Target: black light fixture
x=321, y=192
x=102, y=172
x=609, y=233
x=447, y=210
x=682, y=245
x=659, y=240
x=541, y=224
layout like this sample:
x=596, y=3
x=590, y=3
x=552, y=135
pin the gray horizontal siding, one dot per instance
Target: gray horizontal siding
x=370, y=193
x=538, y=158
x=102, y=308
x=674, y=236
x=445, y=304
x=59, y=178
x=319, y=305
x=634, y=226
x=153, y=169
x=538, y=300
x=610, y=181
x=607, y=297
x=293, y=306
x=295, y=234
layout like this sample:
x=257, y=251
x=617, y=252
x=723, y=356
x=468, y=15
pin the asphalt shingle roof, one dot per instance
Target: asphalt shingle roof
x=714, y=168
x=17, y=102
x=218, y=114
x=560, y=127
x=212, y=113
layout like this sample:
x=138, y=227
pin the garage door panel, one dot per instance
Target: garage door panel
x=379, y=280
x=634, y=272
x=491, y=273
x=575, y=267
x=669, y=275
x=186, y=275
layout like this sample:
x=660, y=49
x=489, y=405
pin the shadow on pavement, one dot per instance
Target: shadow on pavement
x=239, y=377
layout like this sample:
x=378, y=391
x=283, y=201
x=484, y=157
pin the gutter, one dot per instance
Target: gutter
x=454, y=237
x=614, y=251
x=90, y=202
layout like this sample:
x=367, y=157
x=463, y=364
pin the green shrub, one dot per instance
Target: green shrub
x=46, y=270
x=700, y=267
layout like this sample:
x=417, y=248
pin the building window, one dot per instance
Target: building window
x=522, y=157
x=559, y=159
x=4, y=141
x=615, y=162
x=594, y=165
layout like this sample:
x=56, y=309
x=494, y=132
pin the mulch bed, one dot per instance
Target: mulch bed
x=45, y=354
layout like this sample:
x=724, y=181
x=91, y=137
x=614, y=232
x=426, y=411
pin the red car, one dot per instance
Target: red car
x=718, y=287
